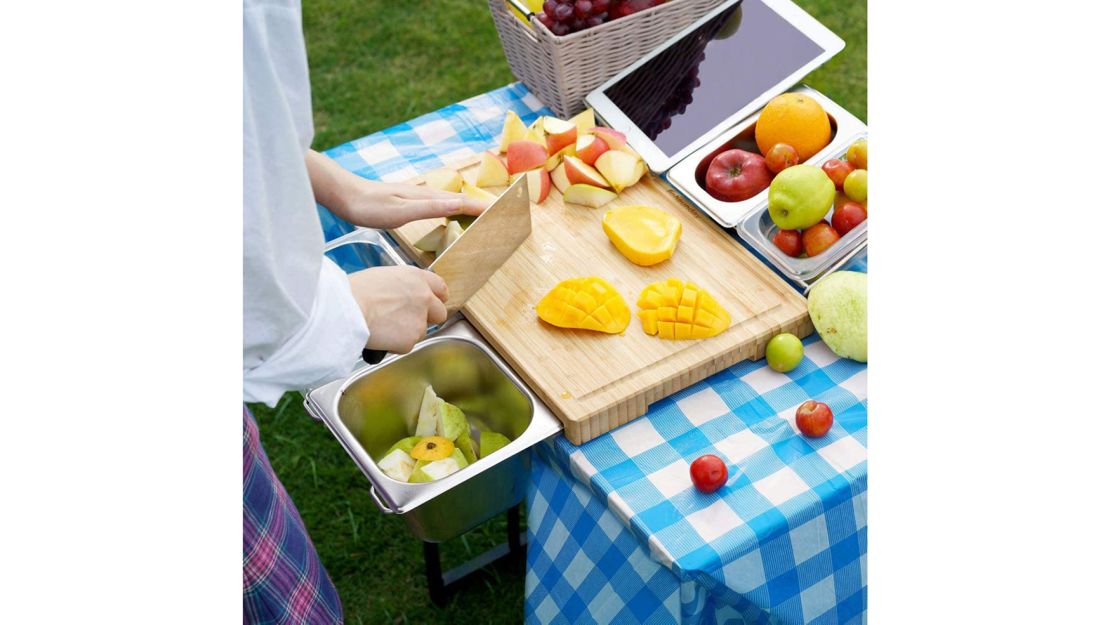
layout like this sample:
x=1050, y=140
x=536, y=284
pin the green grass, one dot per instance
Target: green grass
x=375, y=63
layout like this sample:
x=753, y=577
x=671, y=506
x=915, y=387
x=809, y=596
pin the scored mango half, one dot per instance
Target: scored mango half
x=587, y=304
x=675, y=310
x=644, y=234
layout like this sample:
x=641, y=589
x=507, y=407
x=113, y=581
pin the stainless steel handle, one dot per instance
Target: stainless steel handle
x=381, y=504
x=369, y=236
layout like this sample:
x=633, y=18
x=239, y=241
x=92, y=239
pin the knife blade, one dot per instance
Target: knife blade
x=469, y=262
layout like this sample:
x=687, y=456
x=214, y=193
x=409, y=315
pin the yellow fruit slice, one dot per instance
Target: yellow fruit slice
x=675, y=310
x=644, y=234
x=432, y=448
x=587, y=304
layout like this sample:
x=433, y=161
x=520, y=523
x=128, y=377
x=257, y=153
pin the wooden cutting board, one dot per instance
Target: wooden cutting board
x=596, y=382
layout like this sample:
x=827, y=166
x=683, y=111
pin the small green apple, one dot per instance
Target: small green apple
x=855, y=185
x=799, y=197
x=784, y=352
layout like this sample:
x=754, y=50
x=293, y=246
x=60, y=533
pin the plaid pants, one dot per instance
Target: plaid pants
x=284, y=581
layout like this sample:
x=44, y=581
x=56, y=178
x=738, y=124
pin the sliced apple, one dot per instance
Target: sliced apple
x=559, y=178
x=453, y=231
x=554, y=160
x=588, y=195
x=579, y=172
x=535, y=135
x=512, y=130
x=525, y=155
x=433, y=241
x=444, y=179
x=584, y=121
x=589, y=147
x=491, y=172
x=621, y=169
x=475, y=193
x=614, y=138
x=559, y=133
x=539, y=185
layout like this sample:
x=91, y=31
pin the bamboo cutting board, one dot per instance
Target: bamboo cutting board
x=596, y=382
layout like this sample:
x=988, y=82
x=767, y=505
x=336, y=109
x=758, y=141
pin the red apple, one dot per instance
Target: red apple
x=588, y=195
x=837, y=170
x=848, y=216
x=559, y=178
x=614, y=138
x=590, y=147
x=708, y=473
x=789, y=241
x=579, y=172
x=525, y=155
x=781, y=156
x=539, y=185
x=736, y=175
x=560, y=134
x=814, y=418
x=816, y=239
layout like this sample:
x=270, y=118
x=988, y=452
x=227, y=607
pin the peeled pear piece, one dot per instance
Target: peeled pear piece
x=451, y=422
x=425, y=471
x=429, y=411
x=398, y=465
x=405, y=445
x=465, y=443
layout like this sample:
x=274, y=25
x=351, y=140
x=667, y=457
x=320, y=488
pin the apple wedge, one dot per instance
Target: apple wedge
x=614, y=138
x=584, y=121
x=491, y=172
x=588, y=195
x=559, y=178
x=621, y=169
x=444, y=179
x=475, y=193
x=525, y=155
x=579, y=172
x=539, y=185
x=589, y=147
x=512, y=130
x=433, y=241
x=559, y=134
x=453, y=231
x=554, y=160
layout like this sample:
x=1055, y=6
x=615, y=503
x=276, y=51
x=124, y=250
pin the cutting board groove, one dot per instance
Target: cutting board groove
x=597, y=382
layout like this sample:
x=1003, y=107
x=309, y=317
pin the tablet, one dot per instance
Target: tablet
x=710, y=76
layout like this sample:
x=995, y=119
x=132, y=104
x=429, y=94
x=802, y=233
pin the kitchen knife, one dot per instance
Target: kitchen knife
x=482, y=248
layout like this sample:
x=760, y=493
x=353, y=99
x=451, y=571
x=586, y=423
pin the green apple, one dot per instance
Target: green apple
x=855, y=185
x=397, y=464
x=425, y=471
x=784, y=352
x=451, y=422
x=838, y=308
x=800, y=196
x=429, y=411
x=491, y=442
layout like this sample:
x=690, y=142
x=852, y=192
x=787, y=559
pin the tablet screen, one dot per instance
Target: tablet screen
x=713, y=72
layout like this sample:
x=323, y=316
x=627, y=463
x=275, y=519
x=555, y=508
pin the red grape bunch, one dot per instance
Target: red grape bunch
x=563, y=17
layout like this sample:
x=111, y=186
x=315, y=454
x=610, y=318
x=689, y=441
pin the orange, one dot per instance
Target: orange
x=794, y=119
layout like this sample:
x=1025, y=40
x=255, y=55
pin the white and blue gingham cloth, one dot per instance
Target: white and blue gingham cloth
x=617, y=533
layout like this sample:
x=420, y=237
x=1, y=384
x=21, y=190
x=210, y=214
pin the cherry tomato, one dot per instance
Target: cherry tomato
x=708, y=473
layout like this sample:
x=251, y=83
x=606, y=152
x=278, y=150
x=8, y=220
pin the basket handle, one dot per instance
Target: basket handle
x=520, y=6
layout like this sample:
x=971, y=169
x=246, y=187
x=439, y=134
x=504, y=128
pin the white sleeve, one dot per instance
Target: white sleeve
x=326, y=347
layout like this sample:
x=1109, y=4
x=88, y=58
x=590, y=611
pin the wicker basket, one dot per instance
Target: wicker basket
x=561, y=71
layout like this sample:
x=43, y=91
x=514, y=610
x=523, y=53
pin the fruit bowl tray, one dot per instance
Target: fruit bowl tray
x=596, y=382
x=750, y=217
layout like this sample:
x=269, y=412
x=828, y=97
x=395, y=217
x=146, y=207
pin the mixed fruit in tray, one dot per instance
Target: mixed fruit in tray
x=790, y=130
x=563, y=17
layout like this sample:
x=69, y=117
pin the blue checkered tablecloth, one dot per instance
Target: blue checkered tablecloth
x=617, y=533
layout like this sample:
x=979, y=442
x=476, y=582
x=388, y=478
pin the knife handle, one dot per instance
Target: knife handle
x=373, y=356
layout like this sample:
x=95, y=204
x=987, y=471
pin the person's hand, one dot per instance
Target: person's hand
x=385, y=205
x=398, y=303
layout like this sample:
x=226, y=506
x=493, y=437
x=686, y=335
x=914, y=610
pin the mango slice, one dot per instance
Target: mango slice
x=587, y=304
x=644, y=234
x=675, y=310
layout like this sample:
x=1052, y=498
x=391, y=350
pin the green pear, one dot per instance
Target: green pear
x=491, y=442
x=397, y=464
x=465, y=443
x=405, y=444
x=425, y=471
x=838, y=307
x=800, y=196
x=451, y=422
x=429, y=409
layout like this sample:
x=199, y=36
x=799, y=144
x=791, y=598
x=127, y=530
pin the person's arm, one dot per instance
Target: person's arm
x=377, y=204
